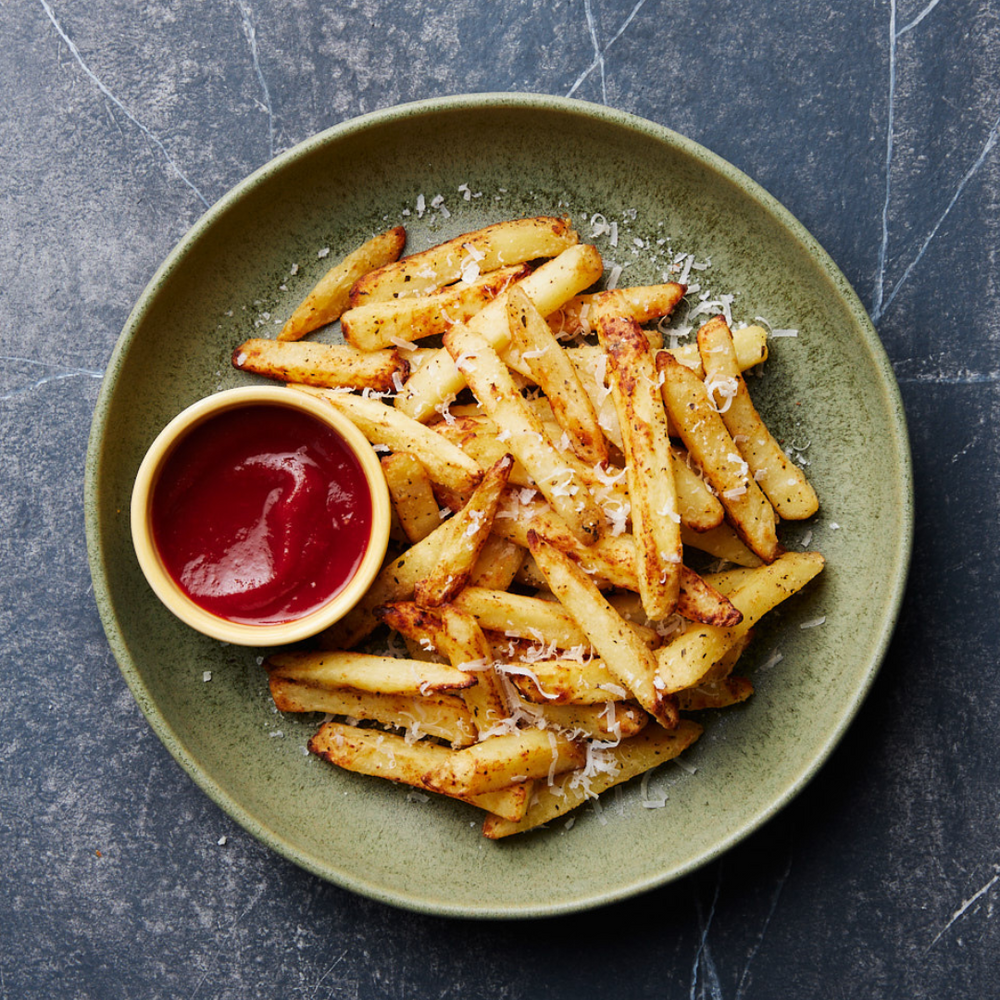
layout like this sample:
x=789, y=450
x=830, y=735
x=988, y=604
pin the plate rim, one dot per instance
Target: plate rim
x=525, y=102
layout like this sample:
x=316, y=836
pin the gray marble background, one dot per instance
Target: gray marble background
x=875, y=122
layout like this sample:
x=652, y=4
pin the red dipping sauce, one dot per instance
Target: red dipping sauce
x=261, y=514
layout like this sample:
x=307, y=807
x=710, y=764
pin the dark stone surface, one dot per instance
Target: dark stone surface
x=875, y=123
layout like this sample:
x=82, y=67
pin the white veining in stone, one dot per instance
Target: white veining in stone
x=71, y=45
x=912, y=24
x=963, y=909
x=991, y=141
x=59, y=373
x=744, y=983
x=601, y=52
x=884, y=243
x=250, y=30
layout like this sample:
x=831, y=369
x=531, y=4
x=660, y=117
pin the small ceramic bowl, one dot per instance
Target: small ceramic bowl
x=167, y=588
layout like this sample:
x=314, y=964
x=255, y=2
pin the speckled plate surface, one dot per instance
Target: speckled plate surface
x=829, y=391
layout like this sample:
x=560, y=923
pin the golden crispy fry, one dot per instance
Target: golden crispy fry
x=381, y=324
x=330, y=366
x=367, y=672
x=556, y=376
x=454, y=566
x=699, y=508
x=412, y=495
x=444, y=462
x=526, y=617
x=457, y=636
x=683, y=662
x=624, y=654
x=750, y=343
x=710, y=444
x=566, y=682
x=443, y=716
x=504, y=243
x=329, y=298
x=656, y=519
x=385, y=755
x=499, y=761
x=715, y=694
x=630, y=758
x=607, y=721
x=490, y=381
x=721, y=542
x=498, y=563
x=437, y=381
x=783, y=482
x=643, y=303
x=398, y=579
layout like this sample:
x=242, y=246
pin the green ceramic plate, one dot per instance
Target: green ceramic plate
x=491, y=157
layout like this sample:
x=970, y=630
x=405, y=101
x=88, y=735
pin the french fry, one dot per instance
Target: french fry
x=624, y=654
x=453, y=568
x=606, y=721
x=445, y=463
x=783, y=482
x=437, y=381
x=613, y=559
x=750, y=343
x=656, y=520
x=367, y=672
x=457, y=636
x=499, y=761
x=504, y=243
x=566, y=682
x=705, y=436
x=412, y=495
x=490, y=381
x=683, y=663
x=591, y=363
x=477, y=438
x=385, y=755
x=556, y=376
x=443, y=716
x=329, y=366
x=519, y=615
x=329, y=298
x=643, y=303
x=376, y=325
x=398, y=579
x=721, y=542
x=498, y=563
x=715, y=694
x=699, y=508
x=629, y=759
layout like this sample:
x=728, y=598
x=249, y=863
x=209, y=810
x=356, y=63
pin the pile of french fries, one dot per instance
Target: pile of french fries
x=551, y=466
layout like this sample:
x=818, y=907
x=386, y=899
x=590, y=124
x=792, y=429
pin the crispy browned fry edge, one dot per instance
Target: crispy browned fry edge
x=710, y=444
x=331, y=366
x=379, y=324
x=385, y=755
x=557, y=377
x=783, y=482
x=451, y=572
x=652, y=492
x=632, y=757
x=623, y=652
x=503, y=243
x=329, y=297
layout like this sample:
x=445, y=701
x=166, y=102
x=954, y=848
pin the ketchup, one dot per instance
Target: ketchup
x=261, y=514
